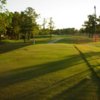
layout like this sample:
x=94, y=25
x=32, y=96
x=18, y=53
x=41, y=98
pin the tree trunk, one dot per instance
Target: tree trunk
x=0, y=37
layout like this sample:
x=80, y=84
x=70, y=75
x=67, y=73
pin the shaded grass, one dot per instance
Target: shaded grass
x=87, y=89
x=40, y=71
x=10, y=45
x=93, y=58
x=75, y=40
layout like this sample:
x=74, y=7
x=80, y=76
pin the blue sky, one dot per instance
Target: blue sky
x=65, y=13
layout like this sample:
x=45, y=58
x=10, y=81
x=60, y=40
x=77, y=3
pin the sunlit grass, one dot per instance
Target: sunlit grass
x=92, y=54
x=48, y=71
x=40, y=71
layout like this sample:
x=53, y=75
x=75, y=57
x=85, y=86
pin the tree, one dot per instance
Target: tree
x=32, y=16
x=28, y=22
x=16, y=25
x=90, y=25
x=2, y=5
x=98, y=25
x=9, y=28
x=51, y=26
x=2, y=18
x=44, y=30
x=44, y=24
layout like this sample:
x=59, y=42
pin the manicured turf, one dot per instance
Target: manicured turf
x=40, y=71
x=75, y=39
x=49, y=71
x=92, y=54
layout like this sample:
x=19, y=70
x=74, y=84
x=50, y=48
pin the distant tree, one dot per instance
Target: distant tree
x=44, y=30
x=44, y=24
x=51, y=26
x=90, y=25
x=65, y=31
x=98, y=25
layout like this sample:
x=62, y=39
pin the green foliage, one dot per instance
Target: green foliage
x=28, y=22
x=66, y=31
x=18, y=25
x=92, y=26
x=2, y=3
x=3, y=24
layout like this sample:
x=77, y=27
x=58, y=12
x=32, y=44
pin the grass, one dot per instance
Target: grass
x=49, y=71
x=39, y=68
x=92, y=54
x=75, y=39
x=10, y=45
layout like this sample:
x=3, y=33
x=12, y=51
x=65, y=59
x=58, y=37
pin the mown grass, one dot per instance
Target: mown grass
x=40, y=71
x=75, y=39
x=48, y=71
x=92, y=54
x=10, y=45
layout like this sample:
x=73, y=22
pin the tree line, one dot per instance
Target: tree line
x=17, y=25
x=23, y=25
x=91, y=26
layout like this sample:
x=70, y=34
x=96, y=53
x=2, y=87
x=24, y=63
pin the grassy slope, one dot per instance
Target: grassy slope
x=40, y=71
x=50, y=71
x=90, y=88
x=92, y=54
x=75, y=39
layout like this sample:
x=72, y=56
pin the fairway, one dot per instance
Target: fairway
x=50, y=71
x=49, y=50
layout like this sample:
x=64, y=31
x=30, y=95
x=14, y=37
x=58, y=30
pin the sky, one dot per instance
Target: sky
x=65, y=13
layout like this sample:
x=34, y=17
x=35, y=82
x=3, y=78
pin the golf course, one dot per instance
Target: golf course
x=50, y=50
x=61, y=68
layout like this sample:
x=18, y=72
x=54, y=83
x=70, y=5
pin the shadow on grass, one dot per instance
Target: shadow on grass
x=67, y=82
x=31, y=72
x=87, y=89
x=73, y=92
x=6, y=47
